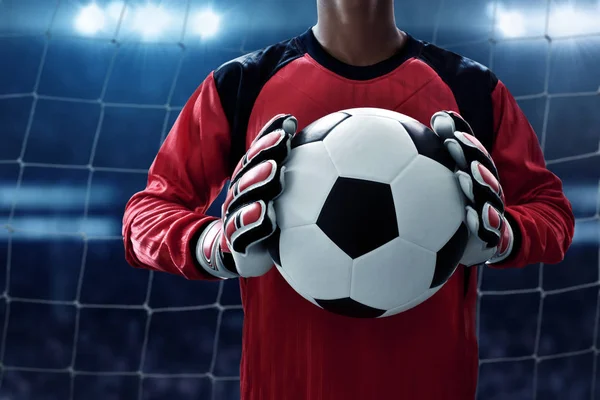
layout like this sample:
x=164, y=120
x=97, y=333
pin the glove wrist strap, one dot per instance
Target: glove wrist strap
x=208, y=252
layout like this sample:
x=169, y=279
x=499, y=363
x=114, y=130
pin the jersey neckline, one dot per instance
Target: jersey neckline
x=313, y=48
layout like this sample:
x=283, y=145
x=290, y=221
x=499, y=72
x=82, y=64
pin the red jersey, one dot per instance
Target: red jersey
x=292, y=349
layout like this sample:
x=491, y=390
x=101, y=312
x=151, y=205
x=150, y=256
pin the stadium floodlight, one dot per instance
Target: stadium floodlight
x=114, y=10
x=511, y=23
x=90, y=20
x=151, y=20
x=206, y=23
x=566, y=19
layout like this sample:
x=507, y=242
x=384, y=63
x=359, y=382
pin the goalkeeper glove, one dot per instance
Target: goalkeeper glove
x=235, y=244
x=491, y=236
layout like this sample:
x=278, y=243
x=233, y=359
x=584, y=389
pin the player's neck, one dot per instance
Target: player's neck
x=358, y=32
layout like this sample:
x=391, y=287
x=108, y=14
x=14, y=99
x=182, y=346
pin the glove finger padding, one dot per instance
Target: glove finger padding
x=478, y=178
x=262, y=182
x=477, y=174
x=272, y=143
x=460, y=141
x=485, y=224
x=499, y=233
x=482, y=193
x=248, y=212
x=486, y=187
x=249, y=224
x=259, y=174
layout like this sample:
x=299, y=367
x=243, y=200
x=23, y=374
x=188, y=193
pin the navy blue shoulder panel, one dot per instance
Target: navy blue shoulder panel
x=472, y=85
x=239, y=83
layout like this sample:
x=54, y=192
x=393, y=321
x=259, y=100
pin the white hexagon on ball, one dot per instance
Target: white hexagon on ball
x=395, y=115
x=309, y=166
x=293, y=284
x=437, y=205
x=380, y=112
x=413, y=303
x=313, y=262
x=380, y=158
x=378, y=275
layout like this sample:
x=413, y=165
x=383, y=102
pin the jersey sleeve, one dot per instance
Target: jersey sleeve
x=536, y=207
x=162, y=223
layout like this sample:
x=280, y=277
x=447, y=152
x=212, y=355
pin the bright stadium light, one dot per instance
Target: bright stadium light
x=206, y=23
x=151, y=20
x=570, y=20
x=511, y=23
x=90, y=20
x=114, y=9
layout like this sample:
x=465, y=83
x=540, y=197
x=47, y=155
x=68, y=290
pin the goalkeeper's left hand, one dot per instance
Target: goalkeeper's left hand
x=491, y=236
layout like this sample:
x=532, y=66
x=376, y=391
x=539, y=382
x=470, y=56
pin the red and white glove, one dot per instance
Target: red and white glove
x=491, y=237
x=235, y=244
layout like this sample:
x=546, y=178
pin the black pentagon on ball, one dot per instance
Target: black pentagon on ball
x=428, y=144
x=318, y=130
x=272, y=243
x=350, y=308
x=359, y=216
x=448, y=257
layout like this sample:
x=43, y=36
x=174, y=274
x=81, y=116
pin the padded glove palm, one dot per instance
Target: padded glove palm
x=235, y=245
x=491, y=236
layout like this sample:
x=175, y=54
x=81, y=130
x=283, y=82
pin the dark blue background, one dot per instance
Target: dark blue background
x=82, y=116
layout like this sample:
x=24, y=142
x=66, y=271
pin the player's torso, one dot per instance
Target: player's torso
x=309, y=91
x=294, y=350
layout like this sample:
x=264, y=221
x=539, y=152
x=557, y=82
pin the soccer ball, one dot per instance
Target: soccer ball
x=371, y=220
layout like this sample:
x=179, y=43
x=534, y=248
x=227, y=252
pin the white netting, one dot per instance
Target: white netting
x=12, y=231
x=562, y=27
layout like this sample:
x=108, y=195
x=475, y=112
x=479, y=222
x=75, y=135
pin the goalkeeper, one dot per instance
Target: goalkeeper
x=249, y=108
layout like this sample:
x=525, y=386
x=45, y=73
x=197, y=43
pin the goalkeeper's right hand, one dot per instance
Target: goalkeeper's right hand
x=235, y=244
